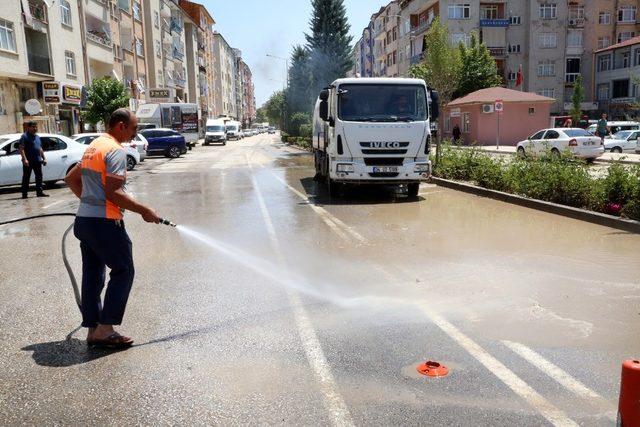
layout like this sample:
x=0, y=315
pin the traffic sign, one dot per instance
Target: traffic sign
x=499, y=106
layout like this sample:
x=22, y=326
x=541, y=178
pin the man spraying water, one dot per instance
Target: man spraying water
x=99, y=182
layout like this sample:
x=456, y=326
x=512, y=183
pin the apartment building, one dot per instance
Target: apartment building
x=239, y=86
x=385, y=40
x=225, y=77
x=248, y=96
x=616, y=78
x=41, y=43
x=205, y=62
x=367, y=45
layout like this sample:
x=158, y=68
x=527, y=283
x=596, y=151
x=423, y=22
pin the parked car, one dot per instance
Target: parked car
x=615, y=127
x=133, y=156
x=241, y=134
x=625, y=140
x=581, y=143
x=62, y=154
x=141, y=144
x=272, y=130
x=164, y=141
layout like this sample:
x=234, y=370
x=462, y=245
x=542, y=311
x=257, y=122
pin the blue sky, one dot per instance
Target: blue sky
x=258, y=27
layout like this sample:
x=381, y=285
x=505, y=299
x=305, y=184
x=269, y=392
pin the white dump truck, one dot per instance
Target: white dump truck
x=374, y=131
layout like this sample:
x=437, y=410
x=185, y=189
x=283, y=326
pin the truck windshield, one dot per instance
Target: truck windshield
x=382, y=103
x=232, y=128
x=215, y=129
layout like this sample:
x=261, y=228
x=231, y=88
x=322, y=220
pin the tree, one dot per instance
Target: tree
x=576, y=100
x=329, y=43
x=299, y=96
x=261, y=115
x=440, y=67
x=104, y=96
x=478, y=70
x=274, y=108
x=296, y=121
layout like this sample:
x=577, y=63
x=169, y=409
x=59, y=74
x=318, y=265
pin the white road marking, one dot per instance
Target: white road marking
x=334, y=402
x=562, y=377
x=545, y=408
x=54, y=203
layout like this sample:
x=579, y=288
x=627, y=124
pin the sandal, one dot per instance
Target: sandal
x=113, y=341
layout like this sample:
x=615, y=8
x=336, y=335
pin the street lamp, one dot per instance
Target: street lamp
x=284, y=85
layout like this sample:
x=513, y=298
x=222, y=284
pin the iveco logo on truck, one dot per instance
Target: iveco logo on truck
x=352, y=111
x=377, y=144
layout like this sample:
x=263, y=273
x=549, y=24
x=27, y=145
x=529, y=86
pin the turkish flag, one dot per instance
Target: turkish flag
x=519, y=77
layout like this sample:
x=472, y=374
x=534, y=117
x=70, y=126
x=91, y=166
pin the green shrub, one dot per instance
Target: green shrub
x=306, y=130
x=284, y=136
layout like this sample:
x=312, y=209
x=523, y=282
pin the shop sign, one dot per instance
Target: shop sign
x=159, y=95
x=455, y=112
x=51, y=92
x=72, y=94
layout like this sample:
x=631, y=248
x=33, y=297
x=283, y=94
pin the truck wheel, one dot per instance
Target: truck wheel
x=413, y=189
x=173, y=152
x=334, y=188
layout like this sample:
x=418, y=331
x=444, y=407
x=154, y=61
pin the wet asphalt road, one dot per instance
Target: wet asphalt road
x=312, y=312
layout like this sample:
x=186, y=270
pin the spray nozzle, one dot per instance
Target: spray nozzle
x=167, y=222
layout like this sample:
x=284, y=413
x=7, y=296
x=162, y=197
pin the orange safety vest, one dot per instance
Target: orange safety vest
x=94, y=174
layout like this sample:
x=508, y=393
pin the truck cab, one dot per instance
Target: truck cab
x=374, y=131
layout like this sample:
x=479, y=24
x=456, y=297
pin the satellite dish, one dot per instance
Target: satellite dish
x=32, y=106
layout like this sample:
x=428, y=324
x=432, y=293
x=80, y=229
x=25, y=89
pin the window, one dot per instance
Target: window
x=65, y=12
x=466, y=122
x=546, y=68
x=552, y=134
x=7, y=36
x=636, y=57
x=537, y=135
x=603, y=92
x=627, y=14
x=626, y=35
x=573, y=69
x=532, y=111
x=52, y=144
x=512, y=76
x=621, y=88
x=156, y=19
x=3, y=109
x=139, y=48
x=604, y=42
x=515, y=20
x=136, y=11
x=158, y=49
x=548, y=11
x=604, y=18
x=576, y=12
x=549, y=93
x=459, y=11
x=548, y=40
x=574, y=38
x=70, y=61
x=394, y=34
x=457, y=38
x=514, y=48
x=489, y=11
x=624, y=59
x=447, y=122
x=604, y=63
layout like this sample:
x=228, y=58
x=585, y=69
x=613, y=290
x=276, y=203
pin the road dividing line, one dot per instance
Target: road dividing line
x=559, y=375
x=333, y=222
x=545, y=408
x=333, y=401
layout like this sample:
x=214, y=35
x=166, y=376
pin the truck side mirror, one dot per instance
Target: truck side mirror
x=324, y=110
x=324, y=95
x=435, y=105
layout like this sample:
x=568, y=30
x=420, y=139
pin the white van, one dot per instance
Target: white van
x=233, y=129
x=215, y=132
x=181, y=117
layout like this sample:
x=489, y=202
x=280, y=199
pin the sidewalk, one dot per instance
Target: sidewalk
x=626, y=158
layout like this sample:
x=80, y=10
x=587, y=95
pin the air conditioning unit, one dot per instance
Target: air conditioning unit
x=487, y=108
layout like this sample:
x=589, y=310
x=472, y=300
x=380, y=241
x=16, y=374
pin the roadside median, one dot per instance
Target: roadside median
x=558, y=185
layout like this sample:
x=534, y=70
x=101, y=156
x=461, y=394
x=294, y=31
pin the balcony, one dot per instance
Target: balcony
x=124, y=5
x=38, y=10
x=180, y=81
x=575, y=50
x=421, y=28
x=38, y=51
x=100, y=38
x=576, y=22
x=498, y=51
x=178, y=54
x=416, y=59
x=176, y=26
x=570, y=78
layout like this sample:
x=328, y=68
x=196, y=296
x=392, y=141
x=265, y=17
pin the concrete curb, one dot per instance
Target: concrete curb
x=554, y=208
x=509, y=153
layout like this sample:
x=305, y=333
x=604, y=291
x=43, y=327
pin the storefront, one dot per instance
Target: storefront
x=65, y=101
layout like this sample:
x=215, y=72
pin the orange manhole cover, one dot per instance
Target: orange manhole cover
x=433, y=369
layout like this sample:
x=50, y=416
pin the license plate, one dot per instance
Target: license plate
x=589, y=143
x=385, y=169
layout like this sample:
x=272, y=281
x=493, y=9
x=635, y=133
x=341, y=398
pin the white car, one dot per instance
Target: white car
x=581, y=143
x=625, y=140
x=62, y=154
x=615, y=127
x=133, y=156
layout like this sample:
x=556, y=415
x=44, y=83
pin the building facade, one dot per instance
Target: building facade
x=225, y=77
x=248, y=96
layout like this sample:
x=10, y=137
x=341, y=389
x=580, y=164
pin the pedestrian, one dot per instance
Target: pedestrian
x=568, y=123
x=456, y=133
x=99, y=182
x=602, y=128
x=33, y=159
